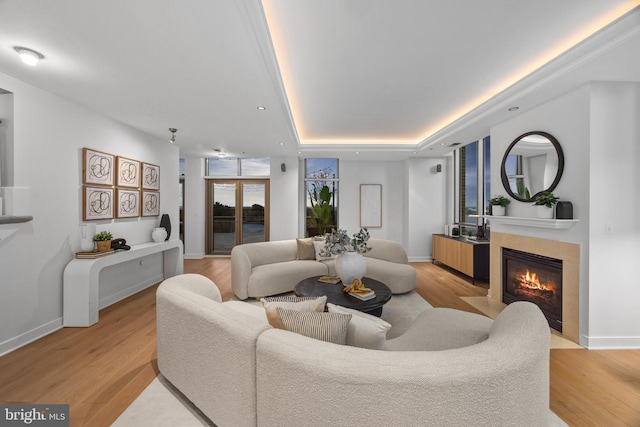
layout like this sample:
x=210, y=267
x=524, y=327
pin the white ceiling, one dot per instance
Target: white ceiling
x=389, y=79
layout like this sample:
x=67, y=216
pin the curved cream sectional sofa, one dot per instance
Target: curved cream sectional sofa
x=271, y=268
x=450, y=368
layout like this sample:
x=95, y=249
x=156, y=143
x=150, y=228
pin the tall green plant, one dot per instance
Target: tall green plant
x=320, y=207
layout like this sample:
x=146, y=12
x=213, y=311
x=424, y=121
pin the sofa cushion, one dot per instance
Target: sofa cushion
x=281, y=277
x=330, y=327
x=306, y=249
x=365, y=330
x=292, y=303
x=437, y=329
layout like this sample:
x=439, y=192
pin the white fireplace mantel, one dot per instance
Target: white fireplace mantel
x=558, y=224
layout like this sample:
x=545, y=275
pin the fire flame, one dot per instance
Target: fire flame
x=530, y=281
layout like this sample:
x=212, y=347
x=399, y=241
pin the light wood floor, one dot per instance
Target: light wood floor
x=100, y=370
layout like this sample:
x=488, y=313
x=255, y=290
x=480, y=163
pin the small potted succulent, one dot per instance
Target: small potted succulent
x=103, y=240
x=545, y=203
x=499, y=205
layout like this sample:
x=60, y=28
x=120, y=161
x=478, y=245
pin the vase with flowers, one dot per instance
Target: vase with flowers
x=350, y=263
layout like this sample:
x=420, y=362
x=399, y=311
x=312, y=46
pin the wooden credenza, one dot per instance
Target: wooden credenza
x=467, y=256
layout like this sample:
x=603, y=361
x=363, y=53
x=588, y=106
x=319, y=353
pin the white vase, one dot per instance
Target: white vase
x=544, y=212
x=497, y=210
x=350, y=265
x=159, y=234
x=87, y=231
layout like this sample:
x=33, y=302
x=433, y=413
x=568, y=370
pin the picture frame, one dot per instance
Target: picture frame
x=127, y=203
x=371, y=205
x=98, y=168
x=127, y=172
x=150, y=176
x=150, y=203
x=97, y=203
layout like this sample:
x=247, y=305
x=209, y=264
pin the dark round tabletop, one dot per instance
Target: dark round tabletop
x=311, y=287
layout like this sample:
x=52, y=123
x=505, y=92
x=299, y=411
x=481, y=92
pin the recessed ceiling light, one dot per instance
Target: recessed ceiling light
x=28, y=56
x=281, y=144
x=443, y=143
x=514, y=108
x=357, y=152
x=261, y=108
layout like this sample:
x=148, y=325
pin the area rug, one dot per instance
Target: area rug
x=161, y=404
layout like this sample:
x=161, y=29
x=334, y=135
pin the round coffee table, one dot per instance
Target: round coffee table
x=312, y=287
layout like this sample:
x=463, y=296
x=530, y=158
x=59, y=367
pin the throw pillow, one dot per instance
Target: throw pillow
x=365, y=330
x=305, y=249
x=330, y=327
x=318, y=245
x=292, y=303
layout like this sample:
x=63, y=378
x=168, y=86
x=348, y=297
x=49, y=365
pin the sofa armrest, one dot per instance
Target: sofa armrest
x=240, y=272
x=207, y=350
x=387, y=250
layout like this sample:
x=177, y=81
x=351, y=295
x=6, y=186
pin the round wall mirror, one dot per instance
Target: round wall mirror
x=532, y=164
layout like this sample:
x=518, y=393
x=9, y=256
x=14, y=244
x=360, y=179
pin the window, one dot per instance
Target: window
x=321, y=185
x=473, y=185
x=227, y=167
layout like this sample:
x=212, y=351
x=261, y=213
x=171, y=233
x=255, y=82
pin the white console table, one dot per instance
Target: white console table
x=81, y=278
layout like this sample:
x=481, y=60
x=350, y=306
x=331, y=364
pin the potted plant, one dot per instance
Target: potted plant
x=545, y=202
x=498, y=205
x=103, y=240
x=350, y=264
x=320, y=208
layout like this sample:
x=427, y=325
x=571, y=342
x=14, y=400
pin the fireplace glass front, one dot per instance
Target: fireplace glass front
x=533, y=278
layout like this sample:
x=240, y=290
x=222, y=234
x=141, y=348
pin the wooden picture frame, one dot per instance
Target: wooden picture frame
x=97, y=203
x=150, y=203
x=371, y=205
x=128, y=172
x=150, y=176
x=98, y=168
x=128, y=203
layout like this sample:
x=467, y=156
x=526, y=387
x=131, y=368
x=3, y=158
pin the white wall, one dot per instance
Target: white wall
x=614, y=319
x=427, y=208
x=49, y=134
x=597, y=128
x=194, y=208
x=391, y=176
x=284, y=201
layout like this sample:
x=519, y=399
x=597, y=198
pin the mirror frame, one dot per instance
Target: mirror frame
x=554, y=184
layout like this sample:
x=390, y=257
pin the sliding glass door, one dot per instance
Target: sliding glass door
x=237, y=213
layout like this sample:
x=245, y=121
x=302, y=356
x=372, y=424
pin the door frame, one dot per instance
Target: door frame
x=239, y=182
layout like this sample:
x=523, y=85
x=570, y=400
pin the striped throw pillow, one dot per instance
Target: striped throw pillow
x=330, y=327
x=292, y=303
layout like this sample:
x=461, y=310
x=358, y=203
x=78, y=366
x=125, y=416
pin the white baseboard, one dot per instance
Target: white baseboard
x=610, y=343
x=119, y=296
x=30, y=336
x=194, y=256
x=420, y=259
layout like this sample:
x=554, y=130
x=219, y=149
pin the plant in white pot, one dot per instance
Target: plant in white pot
x=499, y=205
x=350, y=262
x=545, y=202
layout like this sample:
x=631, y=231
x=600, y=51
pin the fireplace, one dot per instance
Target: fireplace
x=533, y=278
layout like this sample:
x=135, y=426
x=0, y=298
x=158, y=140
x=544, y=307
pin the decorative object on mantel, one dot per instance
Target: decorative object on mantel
x=165, y=221
x=103, y=241
x=159, y=234
x=545, y=203
x=350, y=264
x=499, y=205
x=564, y=210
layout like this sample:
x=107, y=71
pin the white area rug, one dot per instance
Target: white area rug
x=161, y=404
